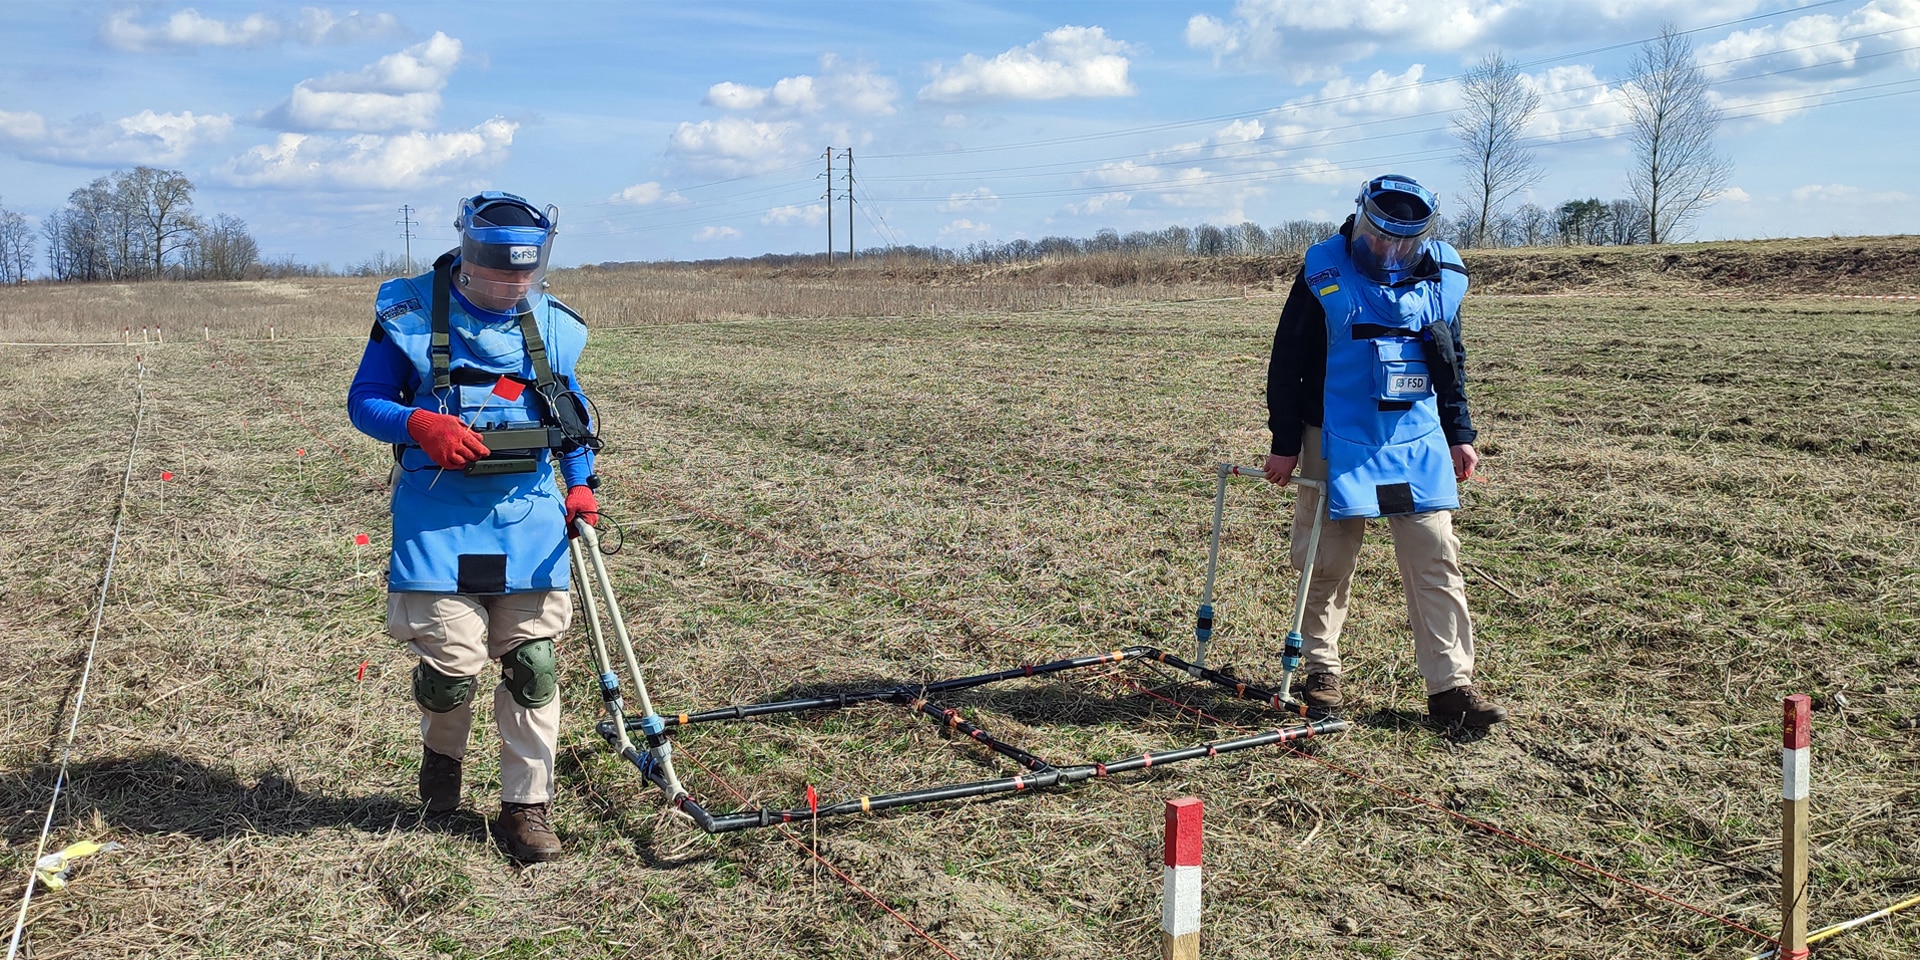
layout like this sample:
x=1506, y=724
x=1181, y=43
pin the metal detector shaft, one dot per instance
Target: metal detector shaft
x=1203, y=630
x=658, y=746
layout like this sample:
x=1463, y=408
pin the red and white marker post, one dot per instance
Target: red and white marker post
x=1180, y=890
x=1796, y=735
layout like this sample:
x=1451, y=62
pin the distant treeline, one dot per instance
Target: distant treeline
x=1592, y=222
x=140, y=224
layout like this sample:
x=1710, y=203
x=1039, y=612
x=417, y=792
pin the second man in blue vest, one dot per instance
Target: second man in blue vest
x=1366, y=391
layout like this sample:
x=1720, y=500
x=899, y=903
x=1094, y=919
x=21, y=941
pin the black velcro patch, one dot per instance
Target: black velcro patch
x=1394, y=498
x=379, y=333
x=483, y=573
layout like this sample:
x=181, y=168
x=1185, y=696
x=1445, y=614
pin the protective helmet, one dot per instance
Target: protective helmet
x=504, y=243
x=1393, y=217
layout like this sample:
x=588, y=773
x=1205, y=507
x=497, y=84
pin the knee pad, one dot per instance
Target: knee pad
x=527, y=673
x=436, y=692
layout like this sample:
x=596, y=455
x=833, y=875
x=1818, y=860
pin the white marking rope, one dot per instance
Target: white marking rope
x=86, y=671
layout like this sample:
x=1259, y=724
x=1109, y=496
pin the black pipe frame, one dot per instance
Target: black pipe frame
x=1040, y=775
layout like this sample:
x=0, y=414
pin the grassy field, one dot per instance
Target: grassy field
x=1694, y=505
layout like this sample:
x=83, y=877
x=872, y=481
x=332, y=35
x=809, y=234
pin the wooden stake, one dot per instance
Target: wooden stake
x=1796, y=733
x=1180, y=884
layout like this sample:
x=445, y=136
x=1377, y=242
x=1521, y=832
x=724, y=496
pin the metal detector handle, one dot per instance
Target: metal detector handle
x=1203, y=620
x=1260, y=473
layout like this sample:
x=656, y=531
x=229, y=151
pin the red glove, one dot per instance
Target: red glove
x=448, y=442
x=581, y=505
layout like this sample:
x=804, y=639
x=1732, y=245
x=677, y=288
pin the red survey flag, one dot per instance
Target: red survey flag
x=300, y=451
x=360, y=540
x=507, y=388
x=166, y=474
x=813, y=799
x=362, y=675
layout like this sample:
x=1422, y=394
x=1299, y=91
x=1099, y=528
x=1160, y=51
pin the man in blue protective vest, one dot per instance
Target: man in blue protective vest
x=469, y=372
x=1366, y=391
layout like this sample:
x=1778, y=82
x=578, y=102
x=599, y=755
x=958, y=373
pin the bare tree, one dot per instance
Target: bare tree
x=16, y=247
x=160, y=202
x=1490, y=128
x=1533, y=226
x=223, y=250
x=1627, y=222
x=1677, y=170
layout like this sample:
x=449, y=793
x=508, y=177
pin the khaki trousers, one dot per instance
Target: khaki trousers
x=1429, y=558
x=456, y=634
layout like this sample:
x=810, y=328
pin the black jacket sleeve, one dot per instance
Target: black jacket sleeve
x=1297, y=369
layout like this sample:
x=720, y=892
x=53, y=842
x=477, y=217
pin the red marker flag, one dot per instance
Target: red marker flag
x=813, y=799
x=362, y=675
x=166, y=474
x=360, y=540
x=507, y=388
x=300, y=451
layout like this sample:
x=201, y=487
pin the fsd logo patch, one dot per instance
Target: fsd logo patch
x=523, y=256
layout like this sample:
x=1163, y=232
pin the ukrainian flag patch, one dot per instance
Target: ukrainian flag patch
x=1329, y=288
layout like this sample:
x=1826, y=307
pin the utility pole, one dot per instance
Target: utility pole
x=828, y=196
x=406, y=222
x=849, y=204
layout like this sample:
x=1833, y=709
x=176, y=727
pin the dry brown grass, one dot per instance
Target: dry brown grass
x=1695, y=506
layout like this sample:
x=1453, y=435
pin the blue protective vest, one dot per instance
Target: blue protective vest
x=453, y=533
x=1386, y=452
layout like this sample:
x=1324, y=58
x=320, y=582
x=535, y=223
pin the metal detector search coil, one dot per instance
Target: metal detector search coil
x=654, y=760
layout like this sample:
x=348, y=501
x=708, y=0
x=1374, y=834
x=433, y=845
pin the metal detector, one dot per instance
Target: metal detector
x=655, y=759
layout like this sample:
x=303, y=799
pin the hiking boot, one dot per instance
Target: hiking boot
x=1464, y=706
x=527, y=832
x=1320, y=691
x=439, y=781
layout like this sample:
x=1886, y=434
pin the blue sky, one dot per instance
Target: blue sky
x=690, y=130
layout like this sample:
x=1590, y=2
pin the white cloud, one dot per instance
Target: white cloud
x=979, y=198
x=853, y=88
x=22, y=126
x=371, y=161
x=400, y=91
x=317, y=26
x=1066, y=62
x=190, y=30
x=1125, y=172
x=1574, y=102
x=965, y=228
x=1777, y=71
x=787, y=215
x=1309, y=40
x=1343, y=103
x=736, y=145
x=1733, y=195
x=1100, y=203
x=708, y=234
x=145, y=137
x=649, y=193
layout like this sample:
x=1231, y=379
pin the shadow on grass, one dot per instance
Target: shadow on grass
x=160, y=793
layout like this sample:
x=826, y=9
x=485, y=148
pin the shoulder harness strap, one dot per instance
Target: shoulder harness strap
x=440, y=348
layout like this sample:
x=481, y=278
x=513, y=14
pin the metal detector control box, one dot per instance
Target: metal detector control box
x=514, y=449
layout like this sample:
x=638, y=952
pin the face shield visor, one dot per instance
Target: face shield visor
x=1391, y=225
x=504, y=243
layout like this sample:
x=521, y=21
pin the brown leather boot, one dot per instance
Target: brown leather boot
x=1465, y=707
x=439, y=781
x=527, y=832
x=1320, y=691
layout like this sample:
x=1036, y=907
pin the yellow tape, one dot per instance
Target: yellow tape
x=52, y=868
